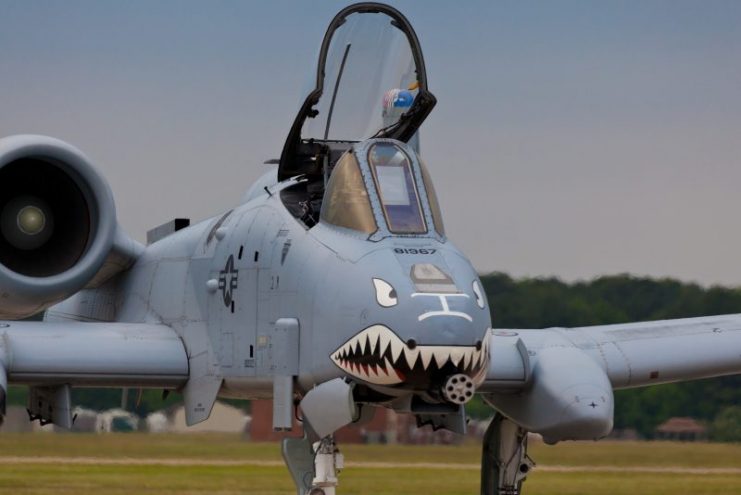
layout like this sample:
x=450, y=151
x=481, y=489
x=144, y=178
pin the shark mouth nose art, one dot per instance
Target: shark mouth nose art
x=377, y=355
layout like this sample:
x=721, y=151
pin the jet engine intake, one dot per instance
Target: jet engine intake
x=57, y=223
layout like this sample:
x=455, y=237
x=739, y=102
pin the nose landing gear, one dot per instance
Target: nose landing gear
x=504, y=460
x=327, y=463
x=314, y=467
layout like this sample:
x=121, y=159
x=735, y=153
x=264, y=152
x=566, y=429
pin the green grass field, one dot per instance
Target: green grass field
x=210, y=464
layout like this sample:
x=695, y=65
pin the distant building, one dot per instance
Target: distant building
x=381, y=425
x=224, y=419
x=683, y=429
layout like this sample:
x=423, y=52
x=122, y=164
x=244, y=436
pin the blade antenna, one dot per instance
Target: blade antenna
x=336, y=87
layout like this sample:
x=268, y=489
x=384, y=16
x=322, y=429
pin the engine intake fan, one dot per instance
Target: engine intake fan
x=57, y=223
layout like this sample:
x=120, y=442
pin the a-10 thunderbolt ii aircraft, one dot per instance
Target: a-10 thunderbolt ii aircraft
x=330, y=288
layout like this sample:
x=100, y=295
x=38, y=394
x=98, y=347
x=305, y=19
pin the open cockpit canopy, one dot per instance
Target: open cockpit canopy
x=370, y=82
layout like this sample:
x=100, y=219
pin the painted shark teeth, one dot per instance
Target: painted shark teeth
x=373, y=334
x=377, y=355
x=456, y=354
x=411, y=356
x=397, y=346
x=467, y=359
x=442, y=354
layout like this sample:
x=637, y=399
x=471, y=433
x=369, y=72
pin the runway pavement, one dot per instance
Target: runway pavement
x=109, y=461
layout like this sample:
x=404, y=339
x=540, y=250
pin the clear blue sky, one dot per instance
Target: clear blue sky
x=571, y=138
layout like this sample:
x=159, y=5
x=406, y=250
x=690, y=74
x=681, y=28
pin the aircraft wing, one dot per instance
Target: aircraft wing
x=640, y=354
x=559, y=381
x=51, y=357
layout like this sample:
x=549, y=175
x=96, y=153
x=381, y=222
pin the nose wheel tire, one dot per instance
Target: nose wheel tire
x=458, y=389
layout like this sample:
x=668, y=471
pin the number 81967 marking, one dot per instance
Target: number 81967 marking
x=414, y=251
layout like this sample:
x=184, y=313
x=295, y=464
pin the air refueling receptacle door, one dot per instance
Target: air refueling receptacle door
x=370, y=82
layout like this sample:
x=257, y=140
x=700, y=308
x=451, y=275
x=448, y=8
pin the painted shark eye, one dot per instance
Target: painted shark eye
x=385, y=294
x=479, y=295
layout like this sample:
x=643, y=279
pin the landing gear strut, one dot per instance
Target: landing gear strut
x=327, y=462
x=504, y=460
x=313, y=466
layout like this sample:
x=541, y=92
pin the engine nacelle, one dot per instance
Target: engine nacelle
x=57, y=223
x=569, y=397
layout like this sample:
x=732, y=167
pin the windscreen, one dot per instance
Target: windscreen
x=370, y=80
x=392, y=172
x=346, y=201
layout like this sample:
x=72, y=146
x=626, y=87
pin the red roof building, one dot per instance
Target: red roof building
x=685, y=429
x=384, y=426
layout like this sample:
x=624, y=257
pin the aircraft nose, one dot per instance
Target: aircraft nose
x=423, y=331
x=426, y=306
